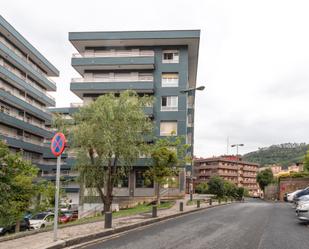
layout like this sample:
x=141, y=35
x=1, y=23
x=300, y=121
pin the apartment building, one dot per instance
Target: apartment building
x=230, y=168
x=24, y=85
x=154, y=63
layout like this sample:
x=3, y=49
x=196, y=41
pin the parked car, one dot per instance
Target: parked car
x=301, y=193
x=24, y=225
x=290, y=196
x=68, y=216
x=41, y=220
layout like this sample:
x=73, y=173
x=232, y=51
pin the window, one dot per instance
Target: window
x=168, y=128
x=169, y=103
x=140, y=180
x=170, y=56
x=170, y=79
x=123, y=182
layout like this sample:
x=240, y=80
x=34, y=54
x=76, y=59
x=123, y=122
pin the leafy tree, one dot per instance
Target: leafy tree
x=264, y=178
x=230, y=189
x=108, y=136
x=202, y=188
x=306, y=162
x=240, y=192
x=167, y=155
x=216, y=186
x=16, y=186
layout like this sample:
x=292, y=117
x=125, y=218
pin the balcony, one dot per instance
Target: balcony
x=15, y=78
x=20, y=142
x=248, y=175
x=253, y=169
x=17, y=121
x=26, y=65
x=103, y=86
x=15, y=99
x=107, y=60
x=230, y=174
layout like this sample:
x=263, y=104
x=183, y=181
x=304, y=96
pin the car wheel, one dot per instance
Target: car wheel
x=43, y=226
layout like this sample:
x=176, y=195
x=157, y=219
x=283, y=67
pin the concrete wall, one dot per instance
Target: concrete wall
x=271, y=192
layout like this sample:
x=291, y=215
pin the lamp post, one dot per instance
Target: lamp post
x=190, y=173
x=237, y=145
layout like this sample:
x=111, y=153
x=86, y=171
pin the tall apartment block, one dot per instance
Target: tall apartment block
x=155, y=63
x=24, y=85
x=230, y=168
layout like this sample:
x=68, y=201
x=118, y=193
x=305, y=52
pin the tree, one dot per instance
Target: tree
x=16, y=186
x=264, y=178
x=168, y=155
x=230, y=189
x=240, y=192
x=108, y=136
x=216, y=186
x=202, y=188
x=306, y=162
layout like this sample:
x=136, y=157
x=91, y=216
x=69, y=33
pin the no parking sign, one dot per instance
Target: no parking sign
x=58, y=144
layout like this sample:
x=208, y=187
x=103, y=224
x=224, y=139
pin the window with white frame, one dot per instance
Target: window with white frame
x=170, y=79
x=169, y=103
x=170, y=56
x=168, y=128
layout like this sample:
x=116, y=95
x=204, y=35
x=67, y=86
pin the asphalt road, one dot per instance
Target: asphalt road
x=249, y=225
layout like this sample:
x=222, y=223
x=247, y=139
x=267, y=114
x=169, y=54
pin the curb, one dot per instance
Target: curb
x=90, y=237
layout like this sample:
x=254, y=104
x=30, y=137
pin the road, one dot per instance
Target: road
x=250, y=225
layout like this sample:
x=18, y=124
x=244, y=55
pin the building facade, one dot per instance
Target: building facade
x=154, y=63
x=24, y=85
x=230, y=168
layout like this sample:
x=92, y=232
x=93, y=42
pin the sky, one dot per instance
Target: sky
x=253, y=59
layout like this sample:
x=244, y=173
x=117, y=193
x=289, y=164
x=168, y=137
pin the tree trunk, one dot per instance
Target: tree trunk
x=17, y=227
x=158, y=194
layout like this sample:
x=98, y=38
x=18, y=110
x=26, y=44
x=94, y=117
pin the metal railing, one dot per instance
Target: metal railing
x=22, y=138
x=127, y=53
x=114, y=79
x=25, y=59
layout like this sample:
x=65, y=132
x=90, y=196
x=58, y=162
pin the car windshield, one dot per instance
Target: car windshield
x=38, y=216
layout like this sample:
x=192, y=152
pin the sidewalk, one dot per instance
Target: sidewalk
x=45, y=239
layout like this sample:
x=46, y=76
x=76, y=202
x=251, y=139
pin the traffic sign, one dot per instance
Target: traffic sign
x=58, y=144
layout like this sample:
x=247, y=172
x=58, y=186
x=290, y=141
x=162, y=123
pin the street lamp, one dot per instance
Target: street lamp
x=237, y=145
x=190, y=173
x=200, y=88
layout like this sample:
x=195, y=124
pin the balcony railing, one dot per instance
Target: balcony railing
x=22, y=138
x=29, y=121
x=61, y=174
x=16, y=94
x=25, y=59
x=128, y=53
x=114, y=79
x=27, y=80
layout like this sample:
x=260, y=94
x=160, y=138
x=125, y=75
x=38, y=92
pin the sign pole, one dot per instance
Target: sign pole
x=57, y=197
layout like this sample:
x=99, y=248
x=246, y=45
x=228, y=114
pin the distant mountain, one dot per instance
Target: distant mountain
x=282, y=154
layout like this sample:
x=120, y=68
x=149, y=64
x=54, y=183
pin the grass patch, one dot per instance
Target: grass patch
x=194, y=202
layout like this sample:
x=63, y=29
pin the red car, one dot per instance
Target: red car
x=68, y=216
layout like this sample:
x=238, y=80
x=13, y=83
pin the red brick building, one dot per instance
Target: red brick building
x=230, y=168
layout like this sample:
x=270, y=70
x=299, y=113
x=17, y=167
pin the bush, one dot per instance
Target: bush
x=216, y=186
x=202, y=188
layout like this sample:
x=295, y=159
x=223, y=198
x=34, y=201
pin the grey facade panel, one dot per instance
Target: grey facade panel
x=138, y=35
x=7, y=97
x=7, y=119
x=24, y=66
x=13, y=79
x=5, y=25
x=20, y=144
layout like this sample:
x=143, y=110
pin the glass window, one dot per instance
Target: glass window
x=169, y=103
x=140, y=180
x=122, y=182
x=168, y=128
x=170, y=79
x=170, y=56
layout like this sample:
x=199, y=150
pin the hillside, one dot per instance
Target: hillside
x=282, y=154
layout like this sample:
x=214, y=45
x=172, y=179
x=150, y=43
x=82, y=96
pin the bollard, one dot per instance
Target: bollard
x=181, y=206
x=198, y=203
x=154, y=211
x=210, y=202
x=191, y=197
x=219, y=200
x=108, y=220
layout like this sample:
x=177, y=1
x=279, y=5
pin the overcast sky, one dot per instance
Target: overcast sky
x=253, y=59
